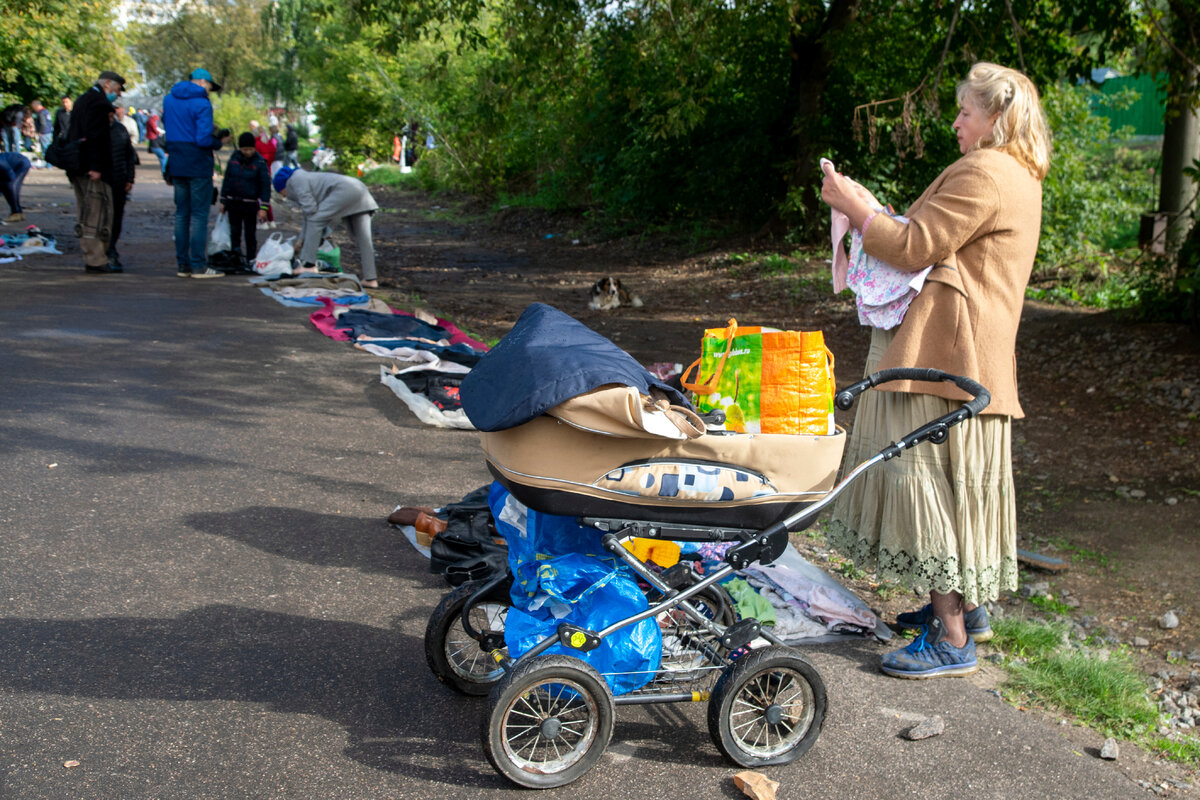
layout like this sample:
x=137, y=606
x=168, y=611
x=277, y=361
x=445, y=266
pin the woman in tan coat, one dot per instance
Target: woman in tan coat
x=943, y=519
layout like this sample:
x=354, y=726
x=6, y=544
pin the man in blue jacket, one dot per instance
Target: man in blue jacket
x=188, y=118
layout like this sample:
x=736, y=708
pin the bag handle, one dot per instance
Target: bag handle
x=709, y=386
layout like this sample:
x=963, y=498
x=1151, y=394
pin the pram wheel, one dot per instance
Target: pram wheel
x=550, y=720
x=767, y=708
x=454, y=657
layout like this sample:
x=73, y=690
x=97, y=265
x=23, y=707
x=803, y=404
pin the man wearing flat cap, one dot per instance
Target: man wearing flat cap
x=92, y=182
x=191, y=140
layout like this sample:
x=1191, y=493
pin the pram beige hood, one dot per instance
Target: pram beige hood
x=616, y=452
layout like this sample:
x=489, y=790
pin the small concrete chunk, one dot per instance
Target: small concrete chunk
x=930, y=726
x=1140, y=641
x=756, y=785
x=1168, y=621
x=1110, y=751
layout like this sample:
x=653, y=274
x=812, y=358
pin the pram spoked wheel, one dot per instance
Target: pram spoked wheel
x=456, y=658
x=767, y=708
x=549, y=721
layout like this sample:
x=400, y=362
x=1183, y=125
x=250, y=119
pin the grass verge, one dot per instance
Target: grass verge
x=1101, y=687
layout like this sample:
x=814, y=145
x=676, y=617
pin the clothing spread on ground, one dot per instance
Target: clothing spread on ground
x=307, y=291
x=437, y=352
x=14, y=246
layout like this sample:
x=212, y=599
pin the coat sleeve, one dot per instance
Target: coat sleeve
x=940, y=223
x=264, y=185
x=225, y=179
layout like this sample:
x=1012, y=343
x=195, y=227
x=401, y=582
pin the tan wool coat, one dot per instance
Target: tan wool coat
x=978, y=224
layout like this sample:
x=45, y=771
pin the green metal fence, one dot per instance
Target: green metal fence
x=1145, y=115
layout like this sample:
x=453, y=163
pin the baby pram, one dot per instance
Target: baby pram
x=550, y=715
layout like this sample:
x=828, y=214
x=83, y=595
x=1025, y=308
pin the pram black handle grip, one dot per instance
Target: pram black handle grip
x=981, y=396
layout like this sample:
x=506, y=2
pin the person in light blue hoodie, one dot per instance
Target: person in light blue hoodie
x=188, y=115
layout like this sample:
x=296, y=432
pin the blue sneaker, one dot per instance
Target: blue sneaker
x=931, y=656
x=979, y=627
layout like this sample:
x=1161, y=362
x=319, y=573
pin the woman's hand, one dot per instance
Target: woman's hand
x=847, y=196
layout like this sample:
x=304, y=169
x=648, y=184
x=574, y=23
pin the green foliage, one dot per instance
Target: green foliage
x=235, y=111
x=226, y=37
x=55, y=47
x=1096, y=189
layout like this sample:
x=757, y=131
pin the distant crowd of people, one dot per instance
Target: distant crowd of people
x=94, y=136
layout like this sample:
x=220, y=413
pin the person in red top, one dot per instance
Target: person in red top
x=265, y=144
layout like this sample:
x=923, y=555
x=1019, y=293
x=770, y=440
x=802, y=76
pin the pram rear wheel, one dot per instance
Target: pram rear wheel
x=454, y=657
x=767, y=708
x=550, y=720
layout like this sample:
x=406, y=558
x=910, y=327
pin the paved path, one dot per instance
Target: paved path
x=199, y=596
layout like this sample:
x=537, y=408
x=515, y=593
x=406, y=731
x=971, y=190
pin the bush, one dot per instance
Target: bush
x=1095, y=192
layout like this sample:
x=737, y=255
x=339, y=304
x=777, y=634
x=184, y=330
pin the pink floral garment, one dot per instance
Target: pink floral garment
x=882, y=292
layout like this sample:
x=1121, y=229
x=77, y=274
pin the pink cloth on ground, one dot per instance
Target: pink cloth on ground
x=325, y=321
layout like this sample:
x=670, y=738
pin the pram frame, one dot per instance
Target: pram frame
x=753, y=546
x=763, y=547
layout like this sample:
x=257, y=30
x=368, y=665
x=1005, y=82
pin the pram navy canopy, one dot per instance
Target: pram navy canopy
x=546, y=359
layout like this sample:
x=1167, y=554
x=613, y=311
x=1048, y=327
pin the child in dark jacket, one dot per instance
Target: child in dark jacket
x=245, y=193
x=124, y=159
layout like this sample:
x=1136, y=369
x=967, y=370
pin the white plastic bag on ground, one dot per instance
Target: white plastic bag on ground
x=218, y=240
x=275, y=256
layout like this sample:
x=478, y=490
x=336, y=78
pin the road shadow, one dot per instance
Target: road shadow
x=325, y=540
x=371, y=681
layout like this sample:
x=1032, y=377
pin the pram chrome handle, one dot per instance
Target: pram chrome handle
x=981, y=396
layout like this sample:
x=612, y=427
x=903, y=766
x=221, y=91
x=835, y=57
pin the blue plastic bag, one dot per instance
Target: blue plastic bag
x=560, y=575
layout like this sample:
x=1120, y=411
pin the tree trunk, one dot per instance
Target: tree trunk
x=1180, y=148
x=794, y=134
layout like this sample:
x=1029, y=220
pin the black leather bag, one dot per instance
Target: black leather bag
x=65, y=155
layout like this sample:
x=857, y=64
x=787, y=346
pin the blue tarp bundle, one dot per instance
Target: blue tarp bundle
x=546, y=359
x=561, y=573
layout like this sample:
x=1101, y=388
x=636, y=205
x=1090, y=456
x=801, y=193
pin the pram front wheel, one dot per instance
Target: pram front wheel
x=456, y=658
x=767, y=708
x=550, y=720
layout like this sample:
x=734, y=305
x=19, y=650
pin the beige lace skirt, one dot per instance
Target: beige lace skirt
x=938, y=517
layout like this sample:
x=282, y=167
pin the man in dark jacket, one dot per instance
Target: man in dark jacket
x=91, y=126
x=245, y=193
x=191, y=140
x=124, y=159
x=62, y=117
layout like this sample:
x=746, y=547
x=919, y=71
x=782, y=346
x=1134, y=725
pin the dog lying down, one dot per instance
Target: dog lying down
x=608, y=293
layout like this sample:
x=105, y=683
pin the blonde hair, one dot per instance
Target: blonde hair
x=1020, y=129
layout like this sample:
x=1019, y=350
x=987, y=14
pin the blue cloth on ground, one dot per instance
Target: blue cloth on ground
x=546, y=359
x=311, y=302
x=562, y=573
x=390, y=326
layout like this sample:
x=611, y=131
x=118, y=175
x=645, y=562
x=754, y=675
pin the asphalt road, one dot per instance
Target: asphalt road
x=200, y=596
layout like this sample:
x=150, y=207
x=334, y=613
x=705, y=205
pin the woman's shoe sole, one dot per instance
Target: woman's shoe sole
x=941, y=672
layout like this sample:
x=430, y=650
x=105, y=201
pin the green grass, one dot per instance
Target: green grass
x=1051, y=606
x=390, y=175
x=1108, y=694
x=1186, y=750
x=1022, y=638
